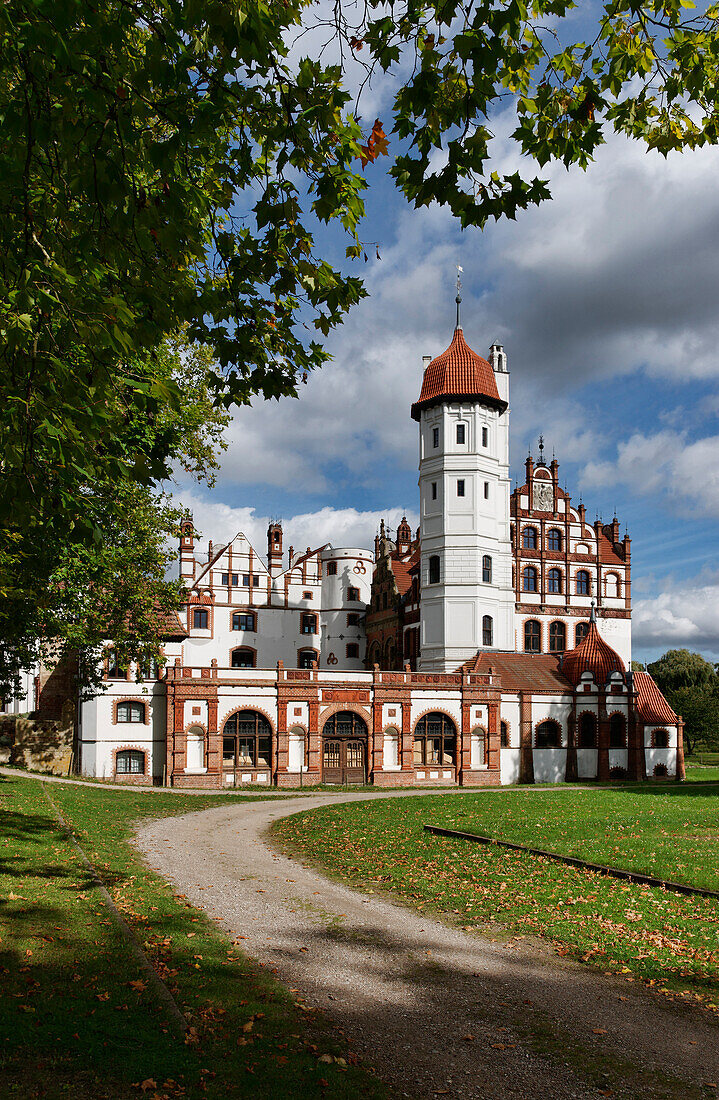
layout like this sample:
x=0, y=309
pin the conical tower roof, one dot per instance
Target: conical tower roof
x=593, y=655
x=458, y=374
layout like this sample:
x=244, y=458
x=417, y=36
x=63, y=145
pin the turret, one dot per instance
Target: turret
x=274, y=548
x=187, y=548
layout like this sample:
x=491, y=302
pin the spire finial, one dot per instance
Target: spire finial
x=541, y=448
x=458, y=299
x=593, y=613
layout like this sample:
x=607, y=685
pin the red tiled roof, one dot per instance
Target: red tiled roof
x=521, y=671
x=170, y=625
x=651, y=704
x=404, y=569
x=460, y=373
x=593, y=655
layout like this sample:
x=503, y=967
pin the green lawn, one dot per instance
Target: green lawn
x=77, y=1016
x=664, y=939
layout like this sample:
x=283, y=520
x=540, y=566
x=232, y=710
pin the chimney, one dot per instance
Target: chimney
x=187, y=547
x=498, y=359
x=274, y=548
x=426, y=360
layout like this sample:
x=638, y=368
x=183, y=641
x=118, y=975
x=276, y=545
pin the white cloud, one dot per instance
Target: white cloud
x=685, y=616
x=665, y=465
x=343, y=527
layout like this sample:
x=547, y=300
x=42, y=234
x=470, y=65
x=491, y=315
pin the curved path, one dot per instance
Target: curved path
x=436, y=1011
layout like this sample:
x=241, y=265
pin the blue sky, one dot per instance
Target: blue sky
x=605, y=300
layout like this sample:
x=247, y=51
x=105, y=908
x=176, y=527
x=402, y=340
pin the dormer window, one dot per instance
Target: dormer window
x=200, y=618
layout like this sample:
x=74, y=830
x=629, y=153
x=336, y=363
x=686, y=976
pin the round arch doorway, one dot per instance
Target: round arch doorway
x=344, y=748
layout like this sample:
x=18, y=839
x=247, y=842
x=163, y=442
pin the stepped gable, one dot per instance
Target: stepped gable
x=593, y=655
x=651, y=704
x=520, y=671
x=459, y=374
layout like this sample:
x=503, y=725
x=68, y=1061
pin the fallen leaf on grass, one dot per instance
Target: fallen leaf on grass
x=599, y=1031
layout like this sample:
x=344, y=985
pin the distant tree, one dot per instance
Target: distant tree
x=637, y=666
x=691, y=686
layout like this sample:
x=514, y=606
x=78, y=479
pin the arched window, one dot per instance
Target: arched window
x=660, y=771
x=504, y=735
x=434, y=569
x=306, y=658
x=661, y=739
x=549, y=735
x=529, y=579
x=130, y=712
x=580, y=632
x=611, y=585
x=200, y=618
x=587, y=731
x=195, y=748
x=487, y=630
x=583, y=583
x=487, y=569
x=244, y=620
x=554, y=580
x=130, y=762
x=246, y=741
x=529, y=538
x=308, y=623
x=557, y=637
x=435, y=740
x=617, y=732
x=554, y=539
x=243, y=658
x=531, y=636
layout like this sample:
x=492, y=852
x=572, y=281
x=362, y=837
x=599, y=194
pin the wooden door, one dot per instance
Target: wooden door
x=343, y=760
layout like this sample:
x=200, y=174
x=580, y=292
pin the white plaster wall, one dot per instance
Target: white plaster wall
x=550, y=765
x=509, y=712
x=667, y=757
x=618, y=758
x=509, y=765
x=391, y=750
x=587, y=763
x=443, y=702
x=296, y=751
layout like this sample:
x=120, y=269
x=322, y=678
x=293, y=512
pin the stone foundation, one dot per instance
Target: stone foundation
x=40, y=744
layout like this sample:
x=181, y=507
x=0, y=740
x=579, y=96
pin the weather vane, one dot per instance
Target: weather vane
x=541, y=448
x=458, y=299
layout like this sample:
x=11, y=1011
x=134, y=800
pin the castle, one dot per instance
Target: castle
x=490, y=646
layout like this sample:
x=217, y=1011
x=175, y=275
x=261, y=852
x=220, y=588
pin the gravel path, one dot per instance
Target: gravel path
x=436, y=1011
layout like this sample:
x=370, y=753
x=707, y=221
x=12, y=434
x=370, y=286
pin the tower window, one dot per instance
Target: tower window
x=554, y=580
x=529, y=538
x=485, y=437
x=554, y=539
x=352, y=650
x=487, y=630
x=434, y=490
x=461, y=432
x=487, y=569
x=331, y=568
x=531, y=636
x=582, y=583
x=434, y=569
x=353, y=594
x=529, y=579
x=460, y=487
x=486, y=490
x=435, y=437
x=276, y=536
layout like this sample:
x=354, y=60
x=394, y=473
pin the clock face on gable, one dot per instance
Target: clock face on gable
x=543, y=496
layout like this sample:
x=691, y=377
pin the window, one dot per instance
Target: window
x=353, y=619
x=485, y=437
x=225, y=578
x=460, y=487
x=549, y=735
x=487, y=569
x=504, y=735
x=617, y=732
x=486, y=490
x=306, y=658
x=130, y=762
x=131, y=712
x=243, y=658
x=200, y=618
x=587, y=731
x=352, y=650
x=307, y=595
x=435, y=437
x=149, y=669
x=115, y=671
x=529, y=579
x=582, y=583
x=384, y=601
x=245, y=580
x=460, y=433
x=554, y=539
x=435, y=740
x=554, y=580
x=660, y=771
x=353, y=595
x=255, y=582
x=557, y=638
x=235, y=579
x=331, y=568
x=580, y=633
x=661, y=739
x=276, y=536
x=243, y=620
x=434, y=490
x=246, y=741
x=529, y=538
x=434, y=569
x=531, y=636
x=308, y=623
x=487, y=630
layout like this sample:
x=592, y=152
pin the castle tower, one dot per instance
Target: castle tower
x=187, y=549
x=466, y=561
x=274, y=548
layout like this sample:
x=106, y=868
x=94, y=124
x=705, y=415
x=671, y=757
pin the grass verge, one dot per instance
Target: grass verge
x=77, y=1015
x=668, y=941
